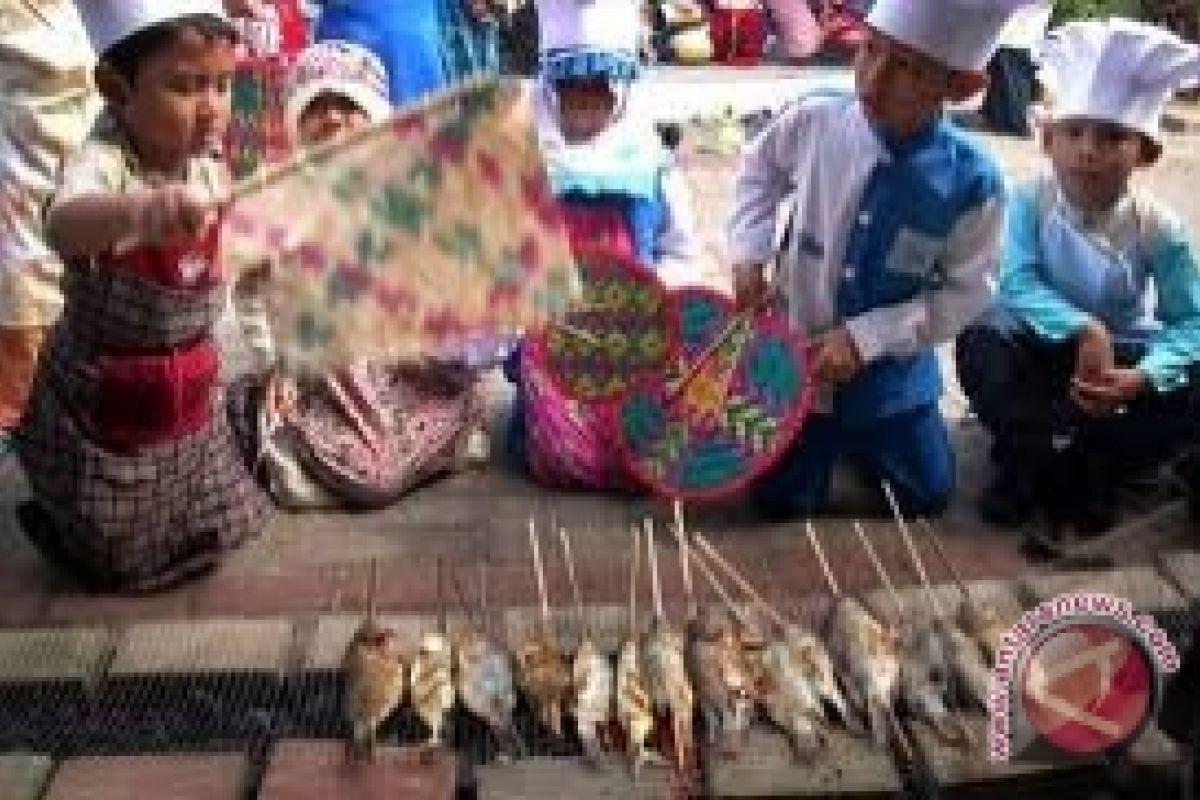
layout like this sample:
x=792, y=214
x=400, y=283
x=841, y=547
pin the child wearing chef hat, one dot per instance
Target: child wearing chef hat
x=618, y=188
x=896, y=220
x=1084, y=370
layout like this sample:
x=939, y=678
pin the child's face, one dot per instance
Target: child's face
x=901, y=88
x=1093, y=160
x=177, y=106
x=585, y=108
x=329, y=116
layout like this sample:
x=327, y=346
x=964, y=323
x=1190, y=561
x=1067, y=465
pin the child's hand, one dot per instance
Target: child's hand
x=751, y=292
x=1109, y=393
x=835, y=358
x=1094, y=353
x=172, y=212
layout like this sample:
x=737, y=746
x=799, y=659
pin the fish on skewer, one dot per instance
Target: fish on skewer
x=979, y=620
x=592, y=679
x=665, y=666
x=864, y=653
x=486, y=685
x=376, y=677
x=544, y=671
x=724, y=677
x=925, y=671
x=433, y=689
x=635, y=712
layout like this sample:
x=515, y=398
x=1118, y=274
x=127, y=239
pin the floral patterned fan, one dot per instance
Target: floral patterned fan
x=725, y=412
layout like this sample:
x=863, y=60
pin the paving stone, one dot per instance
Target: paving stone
x=85, y=609
x=205, y=646
x=318, y=770
x=71, y=654
x=327, y=647
x=178, y=777
x=23, y=775
x=1153, y=748
x=1142, y=586
x=556, y=779
x=766, y=767
x=1183, y=568
x=960, y=768
x=297, y=590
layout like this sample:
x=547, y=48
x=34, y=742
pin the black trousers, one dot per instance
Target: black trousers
x=1018, y=385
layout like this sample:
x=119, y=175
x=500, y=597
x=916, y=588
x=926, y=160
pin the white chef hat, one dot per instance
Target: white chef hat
x=109, y=22
x=962, y=34
x=589, y=38
x=1115, y=70
x=342, y=68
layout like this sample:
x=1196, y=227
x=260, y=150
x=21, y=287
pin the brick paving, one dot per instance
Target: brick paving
x=178, y=777
x=23, y=775
x=302, y=770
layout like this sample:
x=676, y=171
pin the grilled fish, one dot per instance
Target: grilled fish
x=546, y=678
x=667, y=681
x=970, y=671
x=724, y=677
x=926, y=678
x=433, y=684
x=635, y=712
x=375, y=684
x=592, y=687
x=984, y=624
x=865, y=653
x=486, y=686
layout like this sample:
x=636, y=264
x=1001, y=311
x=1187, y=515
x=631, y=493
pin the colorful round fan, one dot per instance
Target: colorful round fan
x=615, y=334
x=732, y=401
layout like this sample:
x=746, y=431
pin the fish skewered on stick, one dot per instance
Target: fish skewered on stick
x=666, y=672
x=635, y=711
x=592, y=678
x=376, y=677
x=486, y=685
x=433, y=688
x=864, y=653
x=544, y=670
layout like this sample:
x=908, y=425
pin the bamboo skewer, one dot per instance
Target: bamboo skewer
x=565, y=538
x=652, y=558
x=934, y=604
x=372, y=590
x=877, y=563
x=715, y=584
x=816, y=546
x=441, y=596
x=684, y=561
x=773, y=613
x=540, y=574
x=634, y=559
x=944, y=557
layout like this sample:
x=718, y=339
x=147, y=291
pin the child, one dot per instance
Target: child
x=47, y=104
x=136, y=477
x=619, y=189
x=364, y=436
x=1084, y=370
x=895, y=228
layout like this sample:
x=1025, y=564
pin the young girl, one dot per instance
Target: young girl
x=363, y=436
x=137, y=480
x=619, y=188
x=1084, y=371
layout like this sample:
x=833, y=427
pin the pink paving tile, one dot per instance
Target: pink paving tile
x=289, y=591
x=318, y=770
x=66, y=609
x=179, y=777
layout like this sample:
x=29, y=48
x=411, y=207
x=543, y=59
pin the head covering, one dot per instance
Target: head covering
x=1115, y=70
x=589, y=38
x=109, y=22
x=961, y=34
x=341, y=68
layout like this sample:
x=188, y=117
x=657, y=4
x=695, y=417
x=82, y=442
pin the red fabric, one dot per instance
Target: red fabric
x=595, y=226
x=738, y=34
x=293, y=27
x=146, y=398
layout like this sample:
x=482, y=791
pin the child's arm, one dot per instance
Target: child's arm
x=764, y=180
x=1022, y=288
x=678, y=241
x=93, y=223
x=1176, y=347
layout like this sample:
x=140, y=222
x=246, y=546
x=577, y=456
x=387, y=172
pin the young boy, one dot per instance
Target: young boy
x=1084, y=370
x=895, y=228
